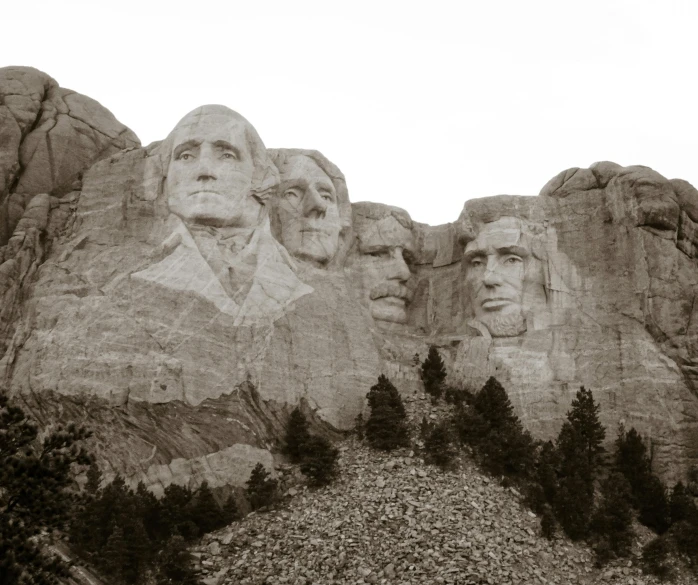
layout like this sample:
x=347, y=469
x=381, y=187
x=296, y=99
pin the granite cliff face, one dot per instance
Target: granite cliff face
x=182, y=298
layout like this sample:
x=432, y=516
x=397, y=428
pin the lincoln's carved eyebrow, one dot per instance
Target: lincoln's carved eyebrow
x=503, y=251
x=179, y=149
x=225, y=145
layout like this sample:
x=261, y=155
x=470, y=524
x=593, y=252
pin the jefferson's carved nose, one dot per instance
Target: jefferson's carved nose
x=314, y=205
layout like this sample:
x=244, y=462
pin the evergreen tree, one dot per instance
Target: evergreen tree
x=632, y=459
x=231, y=511
x=114, y=556
x=493, y=404
x=319, y=462
x=682, y=508
x=547, y=523
x=439, y=446
x=546, y=471
x=654, y=557
x=94, y=478
x=386, y=428
x=176, y=512
x=35, y=480
x=611, y=523
x=175, y=564
x=385, y=393
x=205, y=511
x=648, y=493
x=574, y=497
x=433, y=373
x=261, y=488
x=296, y=435
x=584, y=417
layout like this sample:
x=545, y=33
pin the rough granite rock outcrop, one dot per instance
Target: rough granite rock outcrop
x=184, y=297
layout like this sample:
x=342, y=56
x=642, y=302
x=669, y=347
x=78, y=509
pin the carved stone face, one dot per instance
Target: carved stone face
x=386, y=250
x=210, y=170
x=495, y=264
x=308, y=211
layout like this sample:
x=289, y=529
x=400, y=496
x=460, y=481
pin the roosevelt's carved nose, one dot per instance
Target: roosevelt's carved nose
x=313, y=204
x=399, y=270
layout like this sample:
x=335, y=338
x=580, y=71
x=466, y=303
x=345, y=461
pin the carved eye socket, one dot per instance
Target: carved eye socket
x=513, y=260
x=185, y=156
x=380, y=254
x=229, y=155
x=291, y=194
x=326, y=196
x=477, y=262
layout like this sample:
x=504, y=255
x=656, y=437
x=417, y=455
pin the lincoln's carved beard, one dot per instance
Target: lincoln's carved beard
x=504, y=325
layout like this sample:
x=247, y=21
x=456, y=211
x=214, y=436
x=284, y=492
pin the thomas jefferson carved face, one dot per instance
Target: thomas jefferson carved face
x=386, y=247
x=308, y=210
x=211, y=168
x=495, y=265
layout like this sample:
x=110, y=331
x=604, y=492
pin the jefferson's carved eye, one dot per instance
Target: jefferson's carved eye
x=291, y=193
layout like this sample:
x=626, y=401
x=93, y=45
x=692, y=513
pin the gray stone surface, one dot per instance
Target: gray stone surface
x=184, y=297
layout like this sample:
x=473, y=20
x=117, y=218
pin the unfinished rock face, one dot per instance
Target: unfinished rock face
x=186, y=296
x=48, y=136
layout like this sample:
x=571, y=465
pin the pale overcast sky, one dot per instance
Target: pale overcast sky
x=422, y=104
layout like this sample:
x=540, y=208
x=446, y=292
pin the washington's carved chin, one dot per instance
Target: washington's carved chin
x=390, y=309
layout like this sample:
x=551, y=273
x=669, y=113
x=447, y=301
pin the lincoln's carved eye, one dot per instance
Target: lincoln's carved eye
x=477, y=262
x=380, y=254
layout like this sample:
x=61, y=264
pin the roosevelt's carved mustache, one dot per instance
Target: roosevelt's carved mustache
x=391, y=289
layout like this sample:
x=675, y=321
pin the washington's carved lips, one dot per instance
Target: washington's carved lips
x=495, y=303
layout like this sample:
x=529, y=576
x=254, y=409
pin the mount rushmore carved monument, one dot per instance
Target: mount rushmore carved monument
x=181, y=298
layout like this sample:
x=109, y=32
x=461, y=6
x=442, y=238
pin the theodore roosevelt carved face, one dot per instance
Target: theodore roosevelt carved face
x=307, y=209
x=495, y=269
x=211, y=173
x=386, y=248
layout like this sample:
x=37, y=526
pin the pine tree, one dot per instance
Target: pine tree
x=114, y=556
x=493, y=404
x=261, y=488
x=682, y=508
x=296, y=435
x=649, y=495
x=433, y=373
x=35, y=480
x=205, y=511
x=319, y=462
x=231, y=511
x=654, y=557
x=386, y=428
x=574, y=497
x=175, y=564
x=611, y=523
x=547, y=523
x=94, y=478
x=584, y=417
x=546, y=472
x=439, y=446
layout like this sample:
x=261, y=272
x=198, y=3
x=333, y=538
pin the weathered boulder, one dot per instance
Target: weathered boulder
x=48, y=136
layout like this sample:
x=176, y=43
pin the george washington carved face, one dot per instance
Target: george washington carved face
x=212, y=167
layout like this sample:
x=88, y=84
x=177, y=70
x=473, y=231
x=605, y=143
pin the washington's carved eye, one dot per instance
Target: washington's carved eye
x=229, y=155
x=185, y=156
x=513, y=260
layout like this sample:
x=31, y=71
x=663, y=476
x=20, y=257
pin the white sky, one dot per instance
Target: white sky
x=421, y=104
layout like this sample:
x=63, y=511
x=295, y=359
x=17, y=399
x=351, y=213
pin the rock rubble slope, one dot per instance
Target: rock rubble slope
x=390, y=519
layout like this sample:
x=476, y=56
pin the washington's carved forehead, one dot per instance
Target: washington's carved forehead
x=209, y=122
x=506, y=232
x=384, y=233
